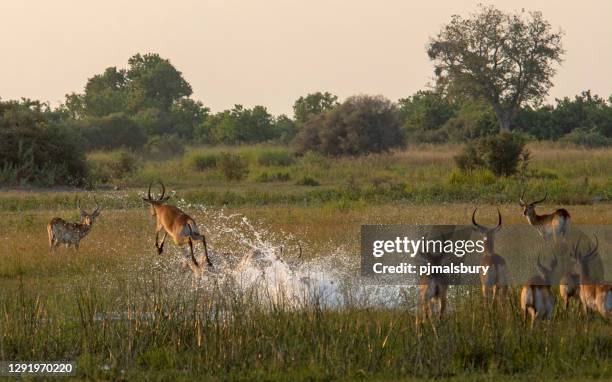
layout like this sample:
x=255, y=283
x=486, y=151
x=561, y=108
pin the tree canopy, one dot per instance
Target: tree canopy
x=507, y=59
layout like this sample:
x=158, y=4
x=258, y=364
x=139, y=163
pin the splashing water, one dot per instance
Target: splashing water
x=268, y=263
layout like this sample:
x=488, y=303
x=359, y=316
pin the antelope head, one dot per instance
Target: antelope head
x=487, y=232
x=89, y=218
x=529, y=208
x=156, y=202
x=582, y=260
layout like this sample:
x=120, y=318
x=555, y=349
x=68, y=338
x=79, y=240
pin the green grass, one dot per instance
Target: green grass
x=124, y=313
x=119, y=316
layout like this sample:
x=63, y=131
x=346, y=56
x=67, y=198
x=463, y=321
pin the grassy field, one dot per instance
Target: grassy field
x=122, y=312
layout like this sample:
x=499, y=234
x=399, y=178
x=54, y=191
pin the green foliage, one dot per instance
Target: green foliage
x=470, y=60
x=425, y=110
x=279, y=176
x=275, y=157
x=589, y=138
x=37, y=148
x=238, y=125
x=308, y=181
x=112, y=165
x=232, y=166
x=112, y=131
x=164, y=147
x=313, y=104
x=200, y=161
x=360, y=125
x=501, y=154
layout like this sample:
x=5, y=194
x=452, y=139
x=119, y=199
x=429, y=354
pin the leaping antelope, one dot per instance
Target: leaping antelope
x=495, y=282
x=594, y=296
x=554, y=225
x=537, y=299
x=172, y=220
x=432, y=291
x=62, y=232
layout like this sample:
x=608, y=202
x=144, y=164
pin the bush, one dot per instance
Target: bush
x=276, y=157
x=232, y=166
x=589, y=138
x=112, y=132
x=37, y=148
x=113, y=165
x=308, y=181
x=265, y=177
x=499, y=153
x=201, y=161
x=360, y=125
x=164, y=147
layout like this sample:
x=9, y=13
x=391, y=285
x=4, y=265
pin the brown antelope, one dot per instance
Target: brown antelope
x=569, y=285
x=537, y=300
x=495, y=282
x=549, y=226
x=181, y=227
x=594, y=296
x=63, y=232
x=432, y=291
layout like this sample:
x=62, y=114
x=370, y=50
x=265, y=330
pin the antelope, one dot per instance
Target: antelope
x=549, y=226
x=432, y=291
x=569, y=285
x=181, y=227
x=495, y=282
x=62, y=232
x=594, y=296
x=537, y=299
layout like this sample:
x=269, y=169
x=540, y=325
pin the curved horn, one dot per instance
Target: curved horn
x=575, y=254
x=554, y=262
x=97, y=206
x=163, y=191
x=499, y=220
x=521, y=201
x=592, y=253
x=474, y=220
x=149, y=193
x=541, y=200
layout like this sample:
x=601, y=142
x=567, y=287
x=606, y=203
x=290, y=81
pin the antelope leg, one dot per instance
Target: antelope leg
x=160, y=247
x=191, y=252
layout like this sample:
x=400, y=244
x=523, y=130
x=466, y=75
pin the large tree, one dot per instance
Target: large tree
x=506, y=58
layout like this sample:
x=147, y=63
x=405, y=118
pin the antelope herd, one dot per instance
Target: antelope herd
x=537, y=298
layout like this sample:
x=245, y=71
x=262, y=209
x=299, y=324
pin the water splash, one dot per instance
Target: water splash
x=268, y=264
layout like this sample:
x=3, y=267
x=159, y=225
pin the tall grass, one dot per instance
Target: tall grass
x=114, y=310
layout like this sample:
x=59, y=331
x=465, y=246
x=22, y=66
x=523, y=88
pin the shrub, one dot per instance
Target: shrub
x=37, y=148
x=360, y=125
x=276, y=157
x=589, y=138
x=308, y=181
x=265, y=177
x=112, y=132
x=164, y=147
x=114, y=165
x=232, y=166
x=201, y=161
x=499, y=153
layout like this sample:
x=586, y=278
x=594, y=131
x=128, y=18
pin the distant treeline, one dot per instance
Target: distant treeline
x=147, y=108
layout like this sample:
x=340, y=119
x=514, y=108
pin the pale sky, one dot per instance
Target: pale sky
x=270, y=52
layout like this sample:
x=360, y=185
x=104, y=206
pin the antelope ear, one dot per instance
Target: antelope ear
x=83, y=213
x=146, y=200
x=164, y=199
